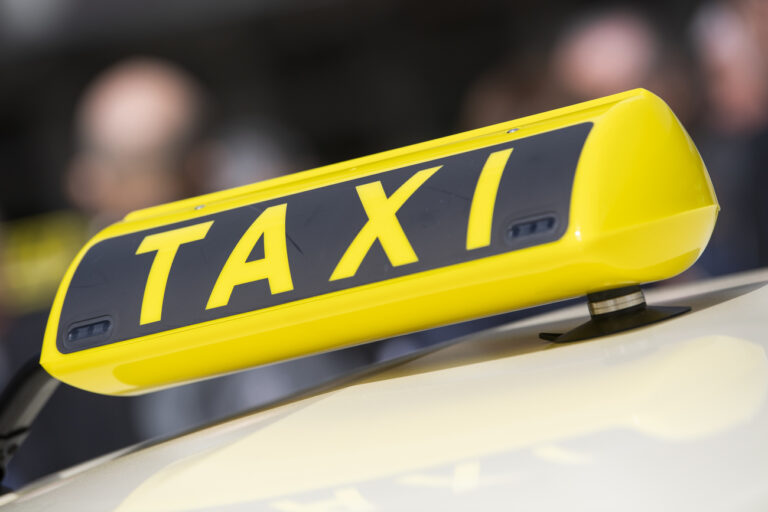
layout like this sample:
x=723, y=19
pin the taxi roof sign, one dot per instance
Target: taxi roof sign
x=595, y=196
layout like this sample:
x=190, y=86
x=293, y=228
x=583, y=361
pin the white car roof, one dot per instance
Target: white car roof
x=668, y=416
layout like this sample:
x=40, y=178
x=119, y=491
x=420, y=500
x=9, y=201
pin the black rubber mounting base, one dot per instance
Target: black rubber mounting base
x=602, y=325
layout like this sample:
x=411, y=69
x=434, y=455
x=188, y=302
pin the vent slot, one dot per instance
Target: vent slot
x=100, y=327
x=532, y=227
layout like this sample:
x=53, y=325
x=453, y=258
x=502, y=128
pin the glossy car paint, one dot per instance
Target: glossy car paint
x=671, y=416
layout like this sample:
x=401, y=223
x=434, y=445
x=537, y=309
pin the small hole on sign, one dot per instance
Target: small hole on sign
x=512, y=130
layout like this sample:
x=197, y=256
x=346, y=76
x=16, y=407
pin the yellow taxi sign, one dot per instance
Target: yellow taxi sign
x=603, y=194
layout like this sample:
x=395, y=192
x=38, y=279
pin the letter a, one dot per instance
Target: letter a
x=273, y=267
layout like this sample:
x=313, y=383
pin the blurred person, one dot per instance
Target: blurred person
x=617, y=49
x=734, y=70
x=755, y=15
x=138, y=125
x=140, y=137
x=605, y=53
x=36, y=252
x=730, y=137
x=600, y=53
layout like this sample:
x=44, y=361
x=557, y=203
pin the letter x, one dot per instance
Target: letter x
x=382, y=225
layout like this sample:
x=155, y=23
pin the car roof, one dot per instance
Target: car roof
x=671, y=413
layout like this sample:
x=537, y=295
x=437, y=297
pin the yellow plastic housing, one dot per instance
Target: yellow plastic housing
x=642, y=209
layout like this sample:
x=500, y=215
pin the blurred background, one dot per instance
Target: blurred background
x=106, y=107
